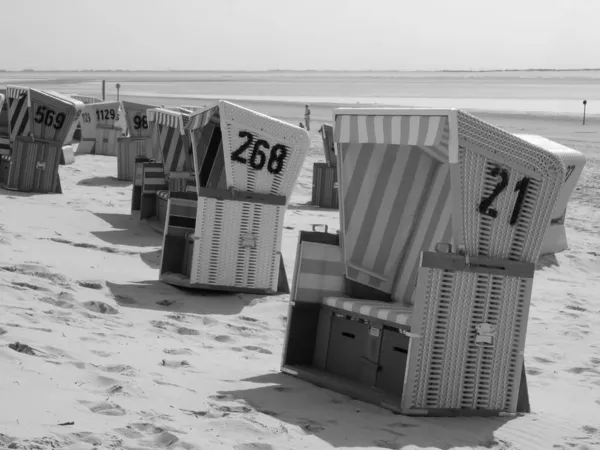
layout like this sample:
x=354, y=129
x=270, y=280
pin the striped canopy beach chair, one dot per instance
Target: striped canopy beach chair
x=423, y=308
x=40, y=124
x=172, y=169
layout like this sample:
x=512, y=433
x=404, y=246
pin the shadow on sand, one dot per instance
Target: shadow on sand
x=103, y=181
x=317, y=411
x=308, y=206
x=128, y=230
x=159, y=296
x=16, y=194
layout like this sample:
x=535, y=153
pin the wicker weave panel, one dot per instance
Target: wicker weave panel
x=237, y=244
x=485, y=152
x=454, y=363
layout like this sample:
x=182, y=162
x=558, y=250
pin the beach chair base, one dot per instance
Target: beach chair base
x=129, y=149
x=362, y=348
x=106, y=141
x=178, y=249
x=340, y=351
x=180, y=280
x=325, y=186
x=32, y=167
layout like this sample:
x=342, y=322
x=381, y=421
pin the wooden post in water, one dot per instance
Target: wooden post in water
x=584, y=105
x=103, y=90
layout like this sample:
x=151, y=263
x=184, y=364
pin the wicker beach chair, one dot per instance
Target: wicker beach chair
x=246, y=166
x=453, y=346
x=104, y=119
x=173, y=159
x=41, y=123
x=555, y=239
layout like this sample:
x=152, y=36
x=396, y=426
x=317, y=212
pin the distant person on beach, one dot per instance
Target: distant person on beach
x=307, y=117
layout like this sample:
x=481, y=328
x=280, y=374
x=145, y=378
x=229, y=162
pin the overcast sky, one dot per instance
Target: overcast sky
x=308, y=34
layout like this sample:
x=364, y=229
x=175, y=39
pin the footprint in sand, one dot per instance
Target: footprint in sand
x=178, y=351
x=39, y=271
x=579, y=370
x=106, y=408
x=100, y=307
x=257, y=349
x=161, y=324
x=64, y=300
x=533, y=371
x=576, y=308
x=170, y=363
x=311, y=426
x=152, y=436
x=34, y=287
x=3, y=331
x=253, y=446
x=248, y=319
x=593, y=361
x=96, y=285
x=92, y=246
x=102, y=354
x=543, y=360
x=223, y=338
x=121, y=369
x=124, y=299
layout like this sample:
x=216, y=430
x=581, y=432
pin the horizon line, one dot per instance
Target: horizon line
x=304, y=71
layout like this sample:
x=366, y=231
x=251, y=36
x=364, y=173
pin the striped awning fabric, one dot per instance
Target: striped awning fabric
x=414, y=130
x=166, y=118
x=18, y=110
x=85, y=99
x=199, y=119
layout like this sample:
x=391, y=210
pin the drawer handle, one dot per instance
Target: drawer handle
x=348, y=335
x=315, y=225
x=400, y=350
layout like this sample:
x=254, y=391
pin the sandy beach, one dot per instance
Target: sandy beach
x=118, y=359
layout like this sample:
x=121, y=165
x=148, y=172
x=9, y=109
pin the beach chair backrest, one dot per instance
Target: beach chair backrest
x=395, y=193
x=17, y=98
x=204, y=129
x=53, y=116
x=262, y=154
x=136, y=117
x=507, y=188
x=328, y=144
x=171, y=140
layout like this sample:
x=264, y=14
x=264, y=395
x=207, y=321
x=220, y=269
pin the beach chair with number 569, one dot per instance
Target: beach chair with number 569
x=41, y=123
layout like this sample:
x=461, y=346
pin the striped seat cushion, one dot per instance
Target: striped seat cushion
x=163, y=194
x=390, y=312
